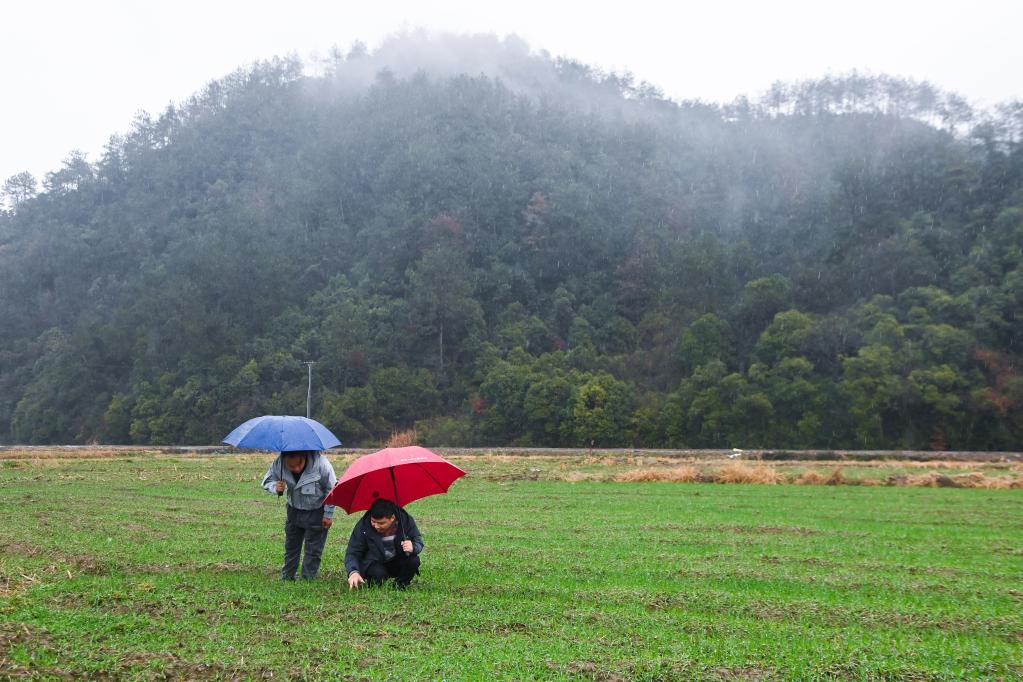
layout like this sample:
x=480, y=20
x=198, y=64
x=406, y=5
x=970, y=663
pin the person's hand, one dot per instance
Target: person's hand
x=280, y=487
x=355, y=580
x=327, y=522
x=406, y=546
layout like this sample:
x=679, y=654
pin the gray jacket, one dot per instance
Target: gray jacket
x=310, y=489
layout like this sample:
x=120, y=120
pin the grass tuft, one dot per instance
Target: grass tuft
x=811, y=477
x=737, y=472
x=681, y=474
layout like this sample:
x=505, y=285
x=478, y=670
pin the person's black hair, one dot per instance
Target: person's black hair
x=304, y=454
x=381, y=509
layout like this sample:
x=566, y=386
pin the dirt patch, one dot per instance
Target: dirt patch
x=750, y=674
x=32, y=639
x=814, y=561
x=20, y=549
x=166, y=666
x=665, y=602
x=589, y=670
x=12, y=634
x=578, y=476
x=87, y=564
x=761, y=530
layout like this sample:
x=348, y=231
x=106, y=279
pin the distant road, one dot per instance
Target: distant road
x=11, y=451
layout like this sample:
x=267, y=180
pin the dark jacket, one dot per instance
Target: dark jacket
x=366, y=545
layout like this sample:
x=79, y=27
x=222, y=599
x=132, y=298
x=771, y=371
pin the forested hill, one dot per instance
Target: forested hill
x=538, y=254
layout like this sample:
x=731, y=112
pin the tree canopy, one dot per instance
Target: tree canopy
x=538, y=255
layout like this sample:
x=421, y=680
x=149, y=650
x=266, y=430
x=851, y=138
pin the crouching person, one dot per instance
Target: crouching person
x=385, y=543
x=307, y=477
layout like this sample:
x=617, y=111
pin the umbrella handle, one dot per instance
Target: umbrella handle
x=394, y=484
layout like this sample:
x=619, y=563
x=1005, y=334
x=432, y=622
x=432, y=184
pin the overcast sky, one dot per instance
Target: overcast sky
x=76, y=72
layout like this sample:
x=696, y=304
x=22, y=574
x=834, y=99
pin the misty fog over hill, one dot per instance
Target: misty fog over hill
x=497, y=247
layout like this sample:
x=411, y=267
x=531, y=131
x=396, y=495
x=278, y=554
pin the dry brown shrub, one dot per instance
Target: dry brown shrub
x=36, y=454
x=979, y=480
x=811, y=477
x=973, y=480
x=836, y=478
x=682, y=474
x=870, y=481
x=737, y=472
x=401, y=439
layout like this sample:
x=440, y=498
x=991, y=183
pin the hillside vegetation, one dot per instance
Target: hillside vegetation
x=529, y=253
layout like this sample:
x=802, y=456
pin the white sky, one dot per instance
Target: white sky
x=77, y=71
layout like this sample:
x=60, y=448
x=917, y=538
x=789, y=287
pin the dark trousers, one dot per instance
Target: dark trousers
x=303, y=526
x=402, y=568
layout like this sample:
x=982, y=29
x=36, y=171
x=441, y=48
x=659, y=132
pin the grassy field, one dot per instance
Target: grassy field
x=164, y=566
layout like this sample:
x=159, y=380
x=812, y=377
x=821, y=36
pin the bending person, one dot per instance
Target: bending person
x=385, y=543
x=306, y=476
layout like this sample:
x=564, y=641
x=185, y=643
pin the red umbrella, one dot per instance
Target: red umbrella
x=397, y=474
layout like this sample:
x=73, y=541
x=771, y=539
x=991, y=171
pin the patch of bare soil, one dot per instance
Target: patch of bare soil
x=29, y=638
x=588, y=670
x=766, y=530
x=745, y=673
x=160, y=666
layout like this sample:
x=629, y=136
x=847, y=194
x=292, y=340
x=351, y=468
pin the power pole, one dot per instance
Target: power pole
x=309, y=389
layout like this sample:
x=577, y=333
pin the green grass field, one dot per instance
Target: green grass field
x=165, y=567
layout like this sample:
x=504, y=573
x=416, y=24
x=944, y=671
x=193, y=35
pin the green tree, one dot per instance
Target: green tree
x=873, y=390
x=707, y=338
x=599, y=412
x=441, y=296
x=18, y=189
x=784, y=337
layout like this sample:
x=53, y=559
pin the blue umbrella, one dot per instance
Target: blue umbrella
x=281, y=434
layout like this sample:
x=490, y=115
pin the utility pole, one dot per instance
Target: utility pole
x=309, y=389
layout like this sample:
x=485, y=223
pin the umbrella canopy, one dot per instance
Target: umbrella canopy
x=397, y=474
x=280, y=434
